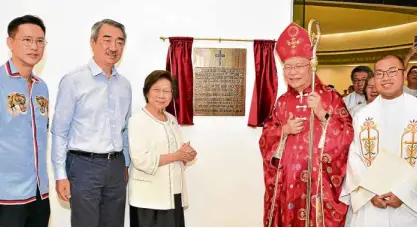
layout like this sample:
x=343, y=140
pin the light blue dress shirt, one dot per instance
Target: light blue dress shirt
x=91, y=115
x=23, y=137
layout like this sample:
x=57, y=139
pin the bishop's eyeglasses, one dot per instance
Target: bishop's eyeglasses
x=391, y=72
x=297, y=67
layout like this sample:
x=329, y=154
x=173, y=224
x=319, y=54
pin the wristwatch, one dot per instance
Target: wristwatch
x=326, y=116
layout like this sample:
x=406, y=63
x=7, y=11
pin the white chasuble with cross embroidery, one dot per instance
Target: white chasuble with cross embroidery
x=384, y=126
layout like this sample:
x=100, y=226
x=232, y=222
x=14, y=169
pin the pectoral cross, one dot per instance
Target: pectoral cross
x=301, y=95
x=220, y=55
x=411, y=148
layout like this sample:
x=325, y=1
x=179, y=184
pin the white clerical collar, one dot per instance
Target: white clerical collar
x=392, y=101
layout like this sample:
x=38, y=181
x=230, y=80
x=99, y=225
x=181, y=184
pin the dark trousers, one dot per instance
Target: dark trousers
x=98, y=190
x=34, y=214
x=144, y=217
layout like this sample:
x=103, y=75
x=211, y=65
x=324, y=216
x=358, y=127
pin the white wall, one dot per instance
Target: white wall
x=226, y=184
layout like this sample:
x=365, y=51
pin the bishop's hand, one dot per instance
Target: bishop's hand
x=293, y=126
x=314, y=102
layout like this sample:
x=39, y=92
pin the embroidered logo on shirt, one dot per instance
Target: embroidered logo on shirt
x=16, y=104
x=369, y=140
x=43, y=105
x=409, y=143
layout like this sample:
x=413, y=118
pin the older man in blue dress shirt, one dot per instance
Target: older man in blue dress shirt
x=89, y=133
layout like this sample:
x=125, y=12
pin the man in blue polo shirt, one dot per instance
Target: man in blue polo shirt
x=23, y=128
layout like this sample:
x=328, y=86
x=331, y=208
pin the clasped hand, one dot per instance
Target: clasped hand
x=187, y=153
x=386, y=200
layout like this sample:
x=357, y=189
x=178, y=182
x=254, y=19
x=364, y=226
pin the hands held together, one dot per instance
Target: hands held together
x=186, y=153
x=386, y=200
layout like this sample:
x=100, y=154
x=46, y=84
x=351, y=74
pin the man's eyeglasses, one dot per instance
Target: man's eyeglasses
x=357, y=81
x=28, y=41
x=391, y=72
x=297, y=67
x=412, y=73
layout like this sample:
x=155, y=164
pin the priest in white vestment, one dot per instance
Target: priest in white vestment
x=381, y=181
x=356, y=100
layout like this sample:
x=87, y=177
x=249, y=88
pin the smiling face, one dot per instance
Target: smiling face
x=389, y=77
x=108, y=48
x=297, y=73
x=160, y=94
x=370, y=90
x=27, y=44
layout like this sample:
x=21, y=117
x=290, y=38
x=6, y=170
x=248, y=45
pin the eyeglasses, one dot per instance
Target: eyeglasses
x=357, y=81
x=391, y=72
x=28, y=41
x=297, y=67
x=165, y=92
x=412, y=73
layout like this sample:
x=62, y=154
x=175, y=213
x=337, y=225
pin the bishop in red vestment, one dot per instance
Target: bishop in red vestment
x=284, y=143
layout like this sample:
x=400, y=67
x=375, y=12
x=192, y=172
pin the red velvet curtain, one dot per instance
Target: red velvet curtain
x=179, y=63
x=266, y=82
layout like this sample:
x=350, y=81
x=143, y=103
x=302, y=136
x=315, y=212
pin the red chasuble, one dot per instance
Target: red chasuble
x=329, y=163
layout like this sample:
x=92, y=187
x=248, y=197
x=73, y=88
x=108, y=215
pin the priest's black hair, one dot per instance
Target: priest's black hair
x=412, y=68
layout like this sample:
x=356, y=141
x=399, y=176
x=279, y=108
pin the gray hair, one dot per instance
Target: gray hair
x=97, y=26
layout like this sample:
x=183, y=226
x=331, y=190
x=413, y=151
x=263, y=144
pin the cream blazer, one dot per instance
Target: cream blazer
x=151, y=186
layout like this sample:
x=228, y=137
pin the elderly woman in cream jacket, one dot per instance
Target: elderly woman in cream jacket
x=157, y=192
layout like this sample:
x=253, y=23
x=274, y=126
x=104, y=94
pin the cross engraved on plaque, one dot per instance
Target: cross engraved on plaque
x=220, y=55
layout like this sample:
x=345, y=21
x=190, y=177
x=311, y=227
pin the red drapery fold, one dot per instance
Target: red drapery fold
x=266, y=82
x=179, y=63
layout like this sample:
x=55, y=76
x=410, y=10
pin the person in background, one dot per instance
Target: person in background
x=157, y=191
x=24, y=111
x=370, y=90
x=358, y=77
x=345, y=93
x=411, y=87
x=90, y=150
x=350, y=89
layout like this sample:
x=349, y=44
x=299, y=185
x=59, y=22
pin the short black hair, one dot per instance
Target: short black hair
x=155, y=76
x=357, y=69
x=27, y=19
x=398, y=58
x=412, y=68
